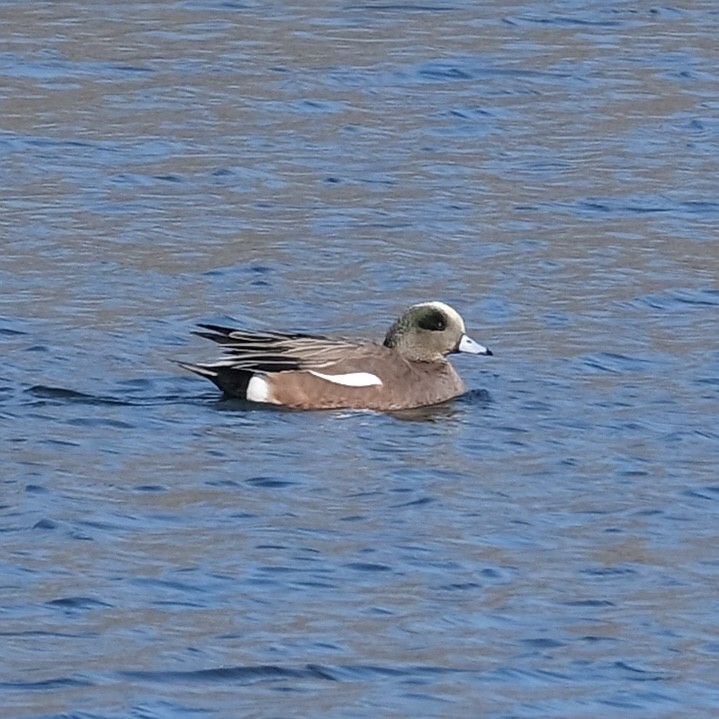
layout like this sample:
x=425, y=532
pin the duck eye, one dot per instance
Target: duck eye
x=434, y=321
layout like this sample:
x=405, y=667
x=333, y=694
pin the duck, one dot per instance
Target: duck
x=409, y=369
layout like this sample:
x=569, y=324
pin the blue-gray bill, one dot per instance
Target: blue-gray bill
x=468, y=345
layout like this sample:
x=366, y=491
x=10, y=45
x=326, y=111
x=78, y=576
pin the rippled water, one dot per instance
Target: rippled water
x=547, y=546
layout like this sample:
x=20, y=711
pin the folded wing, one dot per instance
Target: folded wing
x=278, y=351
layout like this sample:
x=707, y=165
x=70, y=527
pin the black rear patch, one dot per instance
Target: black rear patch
x=232, y=382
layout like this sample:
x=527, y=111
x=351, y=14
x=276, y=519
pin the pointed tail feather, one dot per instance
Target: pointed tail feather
x=233, y=382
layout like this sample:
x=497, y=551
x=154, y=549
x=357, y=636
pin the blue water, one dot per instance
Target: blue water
x=546, y=546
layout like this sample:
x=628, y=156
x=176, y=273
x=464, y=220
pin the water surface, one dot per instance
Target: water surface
x=545, y=546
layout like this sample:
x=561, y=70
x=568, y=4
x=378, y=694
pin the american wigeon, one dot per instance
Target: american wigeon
x=410, y=369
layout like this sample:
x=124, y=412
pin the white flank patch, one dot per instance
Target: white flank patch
x=258, y=389
x=352, y=379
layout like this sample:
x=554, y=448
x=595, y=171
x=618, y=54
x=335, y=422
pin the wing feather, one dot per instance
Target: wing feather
x=278, y=351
